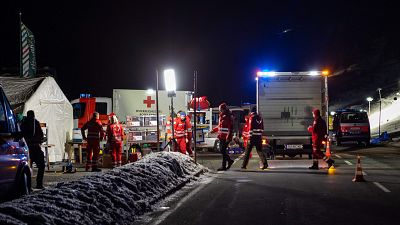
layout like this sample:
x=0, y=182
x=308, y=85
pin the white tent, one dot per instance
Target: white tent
x=46, y=99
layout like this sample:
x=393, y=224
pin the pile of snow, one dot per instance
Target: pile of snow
x=115, y=197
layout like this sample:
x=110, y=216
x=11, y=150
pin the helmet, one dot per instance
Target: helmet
x=182, y=113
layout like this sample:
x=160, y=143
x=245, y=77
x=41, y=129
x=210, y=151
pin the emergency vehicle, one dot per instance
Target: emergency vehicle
x=83, y=109
x=351, y=126
x=285, y=100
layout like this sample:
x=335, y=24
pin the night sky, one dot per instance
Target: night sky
x=96, y=46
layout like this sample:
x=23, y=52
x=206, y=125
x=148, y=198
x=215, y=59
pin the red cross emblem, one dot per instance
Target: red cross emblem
x=148, y=102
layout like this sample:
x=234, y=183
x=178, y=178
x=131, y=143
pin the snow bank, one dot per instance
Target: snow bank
x=114, y=197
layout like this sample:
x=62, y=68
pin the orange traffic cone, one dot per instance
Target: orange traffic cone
x=359, y=175
x=328, y=149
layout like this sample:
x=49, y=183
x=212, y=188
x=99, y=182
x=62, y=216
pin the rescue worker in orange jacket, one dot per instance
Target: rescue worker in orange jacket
x=115, y=136
x=256, y=128
x=319, y=134
x=224, y=128
x=95, y=134
x=183, y=133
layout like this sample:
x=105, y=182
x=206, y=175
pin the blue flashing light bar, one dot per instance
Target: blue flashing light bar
x=85, y=96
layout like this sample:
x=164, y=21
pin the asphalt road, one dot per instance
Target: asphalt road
x=289, y=193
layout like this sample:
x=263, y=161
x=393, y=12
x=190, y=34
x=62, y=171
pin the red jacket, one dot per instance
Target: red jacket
x=256, y=126
x=225, y=126
x=115, y=133
x=183, y=129
x=95, y=130
x=246, y=129
x=318, y=130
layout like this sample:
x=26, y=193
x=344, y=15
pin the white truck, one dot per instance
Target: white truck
x=285, y=101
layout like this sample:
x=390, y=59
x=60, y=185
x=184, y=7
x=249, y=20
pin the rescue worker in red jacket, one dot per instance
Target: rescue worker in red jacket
x=183, y=133
x=189, y=136
x=115, y=137
x=246, y=133
x=319, y=134
x=224, y=128
x=95, y=134
x=256, y=128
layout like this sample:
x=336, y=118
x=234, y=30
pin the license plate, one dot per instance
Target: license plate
x=355, y=131
x=294, y=146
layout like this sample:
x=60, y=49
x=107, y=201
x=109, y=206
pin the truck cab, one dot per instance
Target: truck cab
x=83, y=109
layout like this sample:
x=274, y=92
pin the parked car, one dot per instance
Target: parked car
x=15, y=172
x=351, y=125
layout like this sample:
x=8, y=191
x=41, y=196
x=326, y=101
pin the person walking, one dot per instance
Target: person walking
x=319, y=134
x=33, y=134
x=115, y=136
x=224, y=129
x=95, y=134
x=183, y=133
x=256, y=128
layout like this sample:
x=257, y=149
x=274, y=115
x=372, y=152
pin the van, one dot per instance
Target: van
x=351, y=125
x=15, y=173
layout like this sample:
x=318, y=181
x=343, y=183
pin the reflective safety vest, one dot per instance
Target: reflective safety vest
x=95, y=130
x=225, y=126
x=183, y=129
x=115, y=133
x=256, y=125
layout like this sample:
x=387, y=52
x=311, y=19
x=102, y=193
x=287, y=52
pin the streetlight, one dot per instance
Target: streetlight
x=369, y=99
x=170, y=87
x=380, y=111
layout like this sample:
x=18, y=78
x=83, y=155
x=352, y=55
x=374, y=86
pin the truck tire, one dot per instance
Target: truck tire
x=216, y=146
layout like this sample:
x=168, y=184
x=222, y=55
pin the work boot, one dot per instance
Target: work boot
x=40, y=186
x=221, y=169
x=314, y=166
x=243, y=168
x=96, y=170
x=229, y=164
x=330, y=162
x=265, y=166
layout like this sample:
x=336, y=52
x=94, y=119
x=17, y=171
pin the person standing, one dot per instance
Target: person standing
x=189, y=136
x=33, y=134
x=224, y=129
x=319, y=134
x=183, y=133
x=95, y=134
x=256, y=128
x=115, y=136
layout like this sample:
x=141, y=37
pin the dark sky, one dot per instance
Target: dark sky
x=96, y=46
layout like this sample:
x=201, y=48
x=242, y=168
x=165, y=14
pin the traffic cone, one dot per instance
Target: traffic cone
x=328, y=149
x=359, y=175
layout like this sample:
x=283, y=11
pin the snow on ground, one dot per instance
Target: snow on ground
x=114, y=197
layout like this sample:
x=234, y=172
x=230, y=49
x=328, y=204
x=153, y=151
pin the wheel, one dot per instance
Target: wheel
x=216, y=146
x=292, y=155
x=24, y=184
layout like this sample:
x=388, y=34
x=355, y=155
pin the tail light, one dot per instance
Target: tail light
x=12, y=150
x=264, y=141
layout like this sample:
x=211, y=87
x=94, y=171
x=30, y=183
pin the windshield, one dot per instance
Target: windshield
x=79, y=109
x=354, y=117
